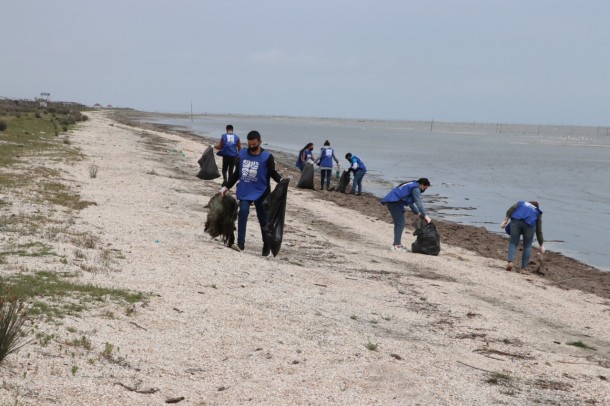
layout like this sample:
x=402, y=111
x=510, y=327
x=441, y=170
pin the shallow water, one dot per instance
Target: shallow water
x=477, y=171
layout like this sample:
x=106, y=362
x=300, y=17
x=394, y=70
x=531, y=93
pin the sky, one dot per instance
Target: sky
x=512, y=61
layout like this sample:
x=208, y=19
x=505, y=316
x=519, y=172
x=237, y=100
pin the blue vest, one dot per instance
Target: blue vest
x=361, y=165
x=301, y=163
x=229, y=146
x=527, y=212
x=401, y=193
x=253, y=175
x=326, y=157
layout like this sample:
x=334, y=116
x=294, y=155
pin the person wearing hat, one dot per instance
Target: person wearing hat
x=405, y=194
x=256, y=167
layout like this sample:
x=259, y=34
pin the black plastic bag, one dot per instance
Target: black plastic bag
x=343, y=182
x=221, y=218
x=306, y=180
x=207, y=163
x=275, y=206
x=428, y=240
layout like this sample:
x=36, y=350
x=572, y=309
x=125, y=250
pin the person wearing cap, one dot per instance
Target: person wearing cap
x=228, y=147
x=359, y=169
x=255, y=169
x=525, y=218
x=325, y=160
x=405, y=194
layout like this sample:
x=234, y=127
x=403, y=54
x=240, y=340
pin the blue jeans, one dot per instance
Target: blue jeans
x=358, y=175
x=242, y=219
x=517, y=229
x=398, y=216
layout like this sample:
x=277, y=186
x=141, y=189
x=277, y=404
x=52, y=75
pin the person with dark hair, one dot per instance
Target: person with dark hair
x=359, y=169
x=255, y=169
x=525, y=218
x=305, y=155
x=228, y=147
x=405, y=194
x=325, y=160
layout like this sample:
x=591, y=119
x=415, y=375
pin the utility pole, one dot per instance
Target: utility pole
x=191, y=112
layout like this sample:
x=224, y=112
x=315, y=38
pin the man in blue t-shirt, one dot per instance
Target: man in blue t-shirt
x=228, y=147
x=256, y=167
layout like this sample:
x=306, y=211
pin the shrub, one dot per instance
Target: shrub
x=13, y=326
x=3, y=125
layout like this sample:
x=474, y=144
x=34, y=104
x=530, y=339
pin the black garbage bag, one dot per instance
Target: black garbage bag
x=275, y=206
x=306, y=180
x=221, y=218
x=343, y=182
x=428, y=240
x=207, y=163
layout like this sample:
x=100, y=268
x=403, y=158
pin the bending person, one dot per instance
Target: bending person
x=525, y=218
x=405, y=194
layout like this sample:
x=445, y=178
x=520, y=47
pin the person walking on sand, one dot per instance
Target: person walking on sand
x=305, y=155
x=325, y=160
x=525, y=218
x=405, y=194
x=255, y=169
x=359, y=169
x=228, y=147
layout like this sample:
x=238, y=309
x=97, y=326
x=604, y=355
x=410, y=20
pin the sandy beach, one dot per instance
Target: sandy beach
x=335, y=318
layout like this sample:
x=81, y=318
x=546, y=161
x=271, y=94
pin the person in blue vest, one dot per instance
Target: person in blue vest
x=359, y=169
x=228, y=147
x=325, y=160
x=255, y=169
x=405, y=194
x=305, y=155
x=525, y=218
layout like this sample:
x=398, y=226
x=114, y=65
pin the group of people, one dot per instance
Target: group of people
x=252, y=169
x=325, y=161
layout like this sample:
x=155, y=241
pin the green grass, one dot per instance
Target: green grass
x=580, y=344
x=53, y=297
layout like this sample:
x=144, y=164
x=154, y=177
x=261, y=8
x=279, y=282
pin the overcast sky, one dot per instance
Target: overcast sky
x=514, y=61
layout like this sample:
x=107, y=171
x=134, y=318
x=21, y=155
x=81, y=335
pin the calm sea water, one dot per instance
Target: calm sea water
x=477, y=171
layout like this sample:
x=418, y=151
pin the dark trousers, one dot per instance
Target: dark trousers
x=228, y=166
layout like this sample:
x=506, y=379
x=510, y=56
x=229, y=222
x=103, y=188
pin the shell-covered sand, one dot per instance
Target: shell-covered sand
x=335, y=318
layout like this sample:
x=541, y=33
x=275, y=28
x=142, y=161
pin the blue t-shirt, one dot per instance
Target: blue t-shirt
x=361, y=165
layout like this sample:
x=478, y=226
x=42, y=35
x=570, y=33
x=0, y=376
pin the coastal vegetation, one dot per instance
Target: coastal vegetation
x=40, y=283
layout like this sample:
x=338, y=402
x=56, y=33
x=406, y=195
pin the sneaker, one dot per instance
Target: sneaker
x=509, y=266
x=240, y=246
x=236, y=248
x=398, y=248
x=358, y=194
x=266, y=251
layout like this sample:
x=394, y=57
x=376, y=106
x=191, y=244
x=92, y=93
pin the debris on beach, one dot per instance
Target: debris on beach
x=221, y=218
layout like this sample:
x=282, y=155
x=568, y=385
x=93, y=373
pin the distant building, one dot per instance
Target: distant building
x=44, y=99
x=109, y=106
x=97, y=106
